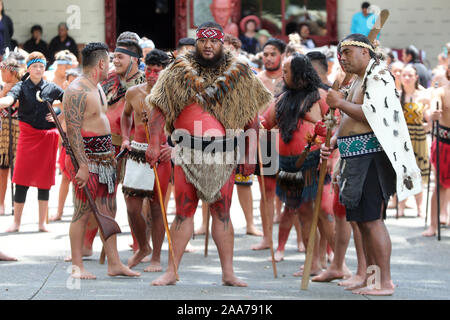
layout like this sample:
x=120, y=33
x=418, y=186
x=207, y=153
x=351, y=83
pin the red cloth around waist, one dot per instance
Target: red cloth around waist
x=35, y=164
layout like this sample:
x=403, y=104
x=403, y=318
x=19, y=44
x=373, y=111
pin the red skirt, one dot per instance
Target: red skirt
x=62, y=162
x=338, y=207
x=35, y=164
x=444, y=162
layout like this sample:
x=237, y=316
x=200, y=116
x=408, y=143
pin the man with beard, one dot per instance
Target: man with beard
x=272, y=77
x=375, y=149
x=89, y=136
x=200, y=96
x=126, y=74
x=139, y=179
x=296, y=111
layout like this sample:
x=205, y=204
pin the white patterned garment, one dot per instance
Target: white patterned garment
x=138, y=175
x=384, y=114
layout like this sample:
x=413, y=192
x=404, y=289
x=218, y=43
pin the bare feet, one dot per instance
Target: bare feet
x=254, y=232
x=154, y=267
x=262, y=246
x=58, y=217
x=189, y=248
x=121, y=270
x=43, y=229
x=430, y=232
x=301, y=247
x=167, y=279
x=138, y=256
x=276, y=218
x=200, y=231
x=330, y=275
x=355, y=282
x=78, y=273
x=13, y=228
x=278, y=256
x=373, y=291
x=85, y=252
x=4, y=257
x=233, y=281
x=314, y=272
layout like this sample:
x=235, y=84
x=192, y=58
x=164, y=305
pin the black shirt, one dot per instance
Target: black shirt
x=56, y=45
x=31, y=46
x=32, y=111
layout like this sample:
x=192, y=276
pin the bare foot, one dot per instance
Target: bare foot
x=430, y=232
x=138, y=256
x=189, y=248
x=200, y=231
x=78, y=273
x=314, y=272
x=43, y=229
x=13, y=228
x=301, y=247
x=4, y=257
x=85, y=253
x=154, y=267
x=262, y=246
x=121, y=270
x=254, y=232
x=278, y=256
x=233, y=281
x=276, y=218
x=373, y=291
x=2, y=210
x=167, y=279
x=353, y=283
x=330, y=275
x=58, y=217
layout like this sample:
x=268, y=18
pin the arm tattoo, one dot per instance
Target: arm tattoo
x=156, y=124
x=74, y=107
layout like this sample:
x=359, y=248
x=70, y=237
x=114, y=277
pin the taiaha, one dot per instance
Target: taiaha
x=264, y=217
x=429, y=163
x=11, y=157
x=438, y=180
x=318, y=200
x=161, y=200
x=323, y=167
x=107, y=225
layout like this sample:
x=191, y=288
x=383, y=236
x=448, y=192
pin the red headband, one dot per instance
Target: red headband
x=210, y=33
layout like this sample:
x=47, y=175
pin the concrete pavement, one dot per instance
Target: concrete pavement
x=419, y=265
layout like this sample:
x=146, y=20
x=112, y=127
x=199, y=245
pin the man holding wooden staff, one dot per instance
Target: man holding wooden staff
x=89, y=135
x=376, y=155
x=201, y=97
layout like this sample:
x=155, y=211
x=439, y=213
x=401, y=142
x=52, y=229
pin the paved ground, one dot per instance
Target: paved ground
x=419, y=265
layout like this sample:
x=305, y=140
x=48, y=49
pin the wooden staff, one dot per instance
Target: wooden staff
x=384, y=14
x=208, y=214
x=161, y=200
x=317, y=202
x=264, y=217
x=103, y=253
x=438, y=179
x=107, y=225
x=436, y=84
x=11, y=157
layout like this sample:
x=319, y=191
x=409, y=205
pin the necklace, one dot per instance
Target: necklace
x=273, y=79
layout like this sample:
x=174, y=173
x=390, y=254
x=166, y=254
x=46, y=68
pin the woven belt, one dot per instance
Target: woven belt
x=353, y=146
x=213, y=144
x=444, y=134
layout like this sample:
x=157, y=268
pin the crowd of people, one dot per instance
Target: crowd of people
x=138, y=98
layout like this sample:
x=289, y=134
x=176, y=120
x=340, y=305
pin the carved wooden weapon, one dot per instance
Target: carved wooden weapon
x=161, y=200
x=107, y=225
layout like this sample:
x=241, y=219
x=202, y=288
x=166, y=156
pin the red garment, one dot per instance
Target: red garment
x=35, y=164
x=62, y=162
x=338, y=207
x=444, y=162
